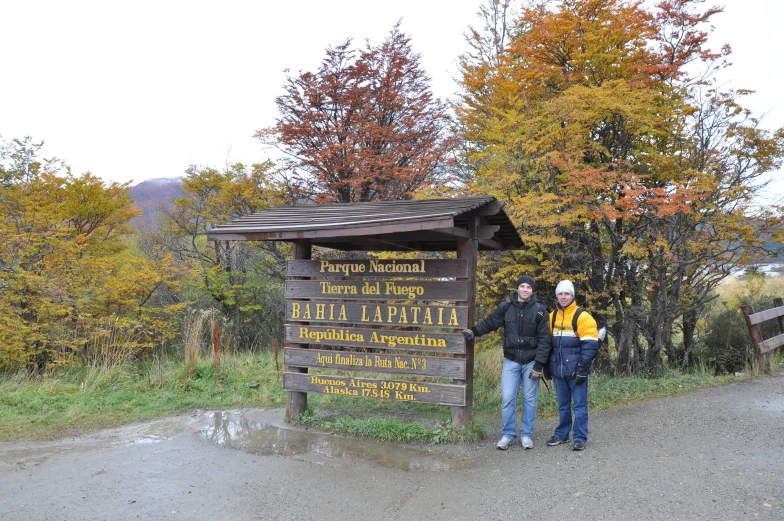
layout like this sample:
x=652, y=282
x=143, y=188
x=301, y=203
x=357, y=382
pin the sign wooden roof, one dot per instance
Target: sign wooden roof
x=429, y=225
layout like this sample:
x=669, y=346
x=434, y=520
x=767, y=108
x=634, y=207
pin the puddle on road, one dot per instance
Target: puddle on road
x=237, y=430
x=258, y=431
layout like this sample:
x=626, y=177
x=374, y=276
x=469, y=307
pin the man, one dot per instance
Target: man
x=570, y=364
x=526, y=348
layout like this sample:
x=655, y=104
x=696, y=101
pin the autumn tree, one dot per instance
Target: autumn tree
x=364, y=126
x=241, y=279
x=628, y=171
x=66, y=276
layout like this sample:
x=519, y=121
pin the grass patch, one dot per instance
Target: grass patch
x=392, y=429
x=74, y=400
x=604, y=392
x=734, y=288
x=78, y=400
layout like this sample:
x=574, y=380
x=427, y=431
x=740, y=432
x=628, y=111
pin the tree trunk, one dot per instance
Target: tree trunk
x=653, y=363
x=628, y=345
x=689, y=326
x=674, y=354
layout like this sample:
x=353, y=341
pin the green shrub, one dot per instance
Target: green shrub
x=726, y=346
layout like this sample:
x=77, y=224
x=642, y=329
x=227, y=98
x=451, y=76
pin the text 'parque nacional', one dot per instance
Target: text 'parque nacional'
x=408, y=268
x=374, y=266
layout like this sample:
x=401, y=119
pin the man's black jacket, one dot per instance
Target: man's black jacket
x=526, y=331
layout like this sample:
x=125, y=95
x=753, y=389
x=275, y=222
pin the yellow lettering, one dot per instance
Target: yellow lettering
x=404, y=396
x=400, y=364
x=383, y=362
x=393, y=289
x=295, y=310
x=324, y=381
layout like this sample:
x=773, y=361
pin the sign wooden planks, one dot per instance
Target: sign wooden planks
x=376, y=290
x=377, y=314
x=420, y=268
x=443, y=394
x=376, y=338
x=377, y=362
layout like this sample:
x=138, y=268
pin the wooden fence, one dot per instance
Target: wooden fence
x=762, y=348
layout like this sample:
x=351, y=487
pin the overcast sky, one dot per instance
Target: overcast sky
x=140, y=90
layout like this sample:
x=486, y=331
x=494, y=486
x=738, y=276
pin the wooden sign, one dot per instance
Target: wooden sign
x=419, y=268
x=376, y=290
x=377, y=314
x=443, y=394
x=376, y=338
x=377, y=362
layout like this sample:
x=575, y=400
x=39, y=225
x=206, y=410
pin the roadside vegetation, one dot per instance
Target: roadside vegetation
x=72, y=401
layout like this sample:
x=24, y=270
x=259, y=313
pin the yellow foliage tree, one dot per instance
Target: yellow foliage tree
x=239, y=278
x=66, y=276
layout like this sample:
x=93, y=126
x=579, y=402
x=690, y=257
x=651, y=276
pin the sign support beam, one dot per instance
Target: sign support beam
x=296, y=401
x=468, y=249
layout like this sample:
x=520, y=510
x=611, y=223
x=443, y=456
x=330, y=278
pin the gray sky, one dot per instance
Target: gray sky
x=139, y=90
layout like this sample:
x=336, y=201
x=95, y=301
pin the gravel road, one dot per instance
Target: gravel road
x=712, y=454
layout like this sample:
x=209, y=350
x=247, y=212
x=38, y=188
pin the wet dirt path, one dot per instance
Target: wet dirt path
x=712, y=454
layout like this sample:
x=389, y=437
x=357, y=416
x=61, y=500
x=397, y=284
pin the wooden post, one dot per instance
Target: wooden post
x=297, y=402
x=762, y=361
x=778, y=302
x=468, y=249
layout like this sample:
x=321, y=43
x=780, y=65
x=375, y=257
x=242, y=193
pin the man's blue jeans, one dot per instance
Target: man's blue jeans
x=568, y=391
x=512, y=375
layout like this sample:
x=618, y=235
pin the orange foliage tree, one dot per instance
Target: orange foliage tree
x=627, y=169
x=363, y=127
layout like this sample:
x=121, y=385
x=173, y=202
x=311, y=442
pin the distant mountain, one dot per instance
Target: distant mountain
x=153, y=195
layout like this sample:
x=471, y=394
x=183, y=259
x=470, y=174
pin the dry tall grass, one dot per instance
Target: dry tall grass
x=193, y=333
x=111, y=348
x=736, y=289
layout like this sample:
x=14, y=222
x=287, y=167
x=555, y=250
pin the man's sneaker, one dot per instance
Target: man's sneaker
x=555, y=440
x=578, y=445
x=527, y=442
x=504, y=442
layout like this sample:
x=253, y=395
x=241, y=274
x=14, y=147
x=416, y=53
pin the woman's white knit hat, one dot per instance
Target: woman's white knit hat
x=565, y=286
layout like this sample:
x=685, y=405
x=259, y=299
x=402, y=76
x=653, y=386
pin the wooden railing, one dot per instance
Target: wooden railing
x=762, y=348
